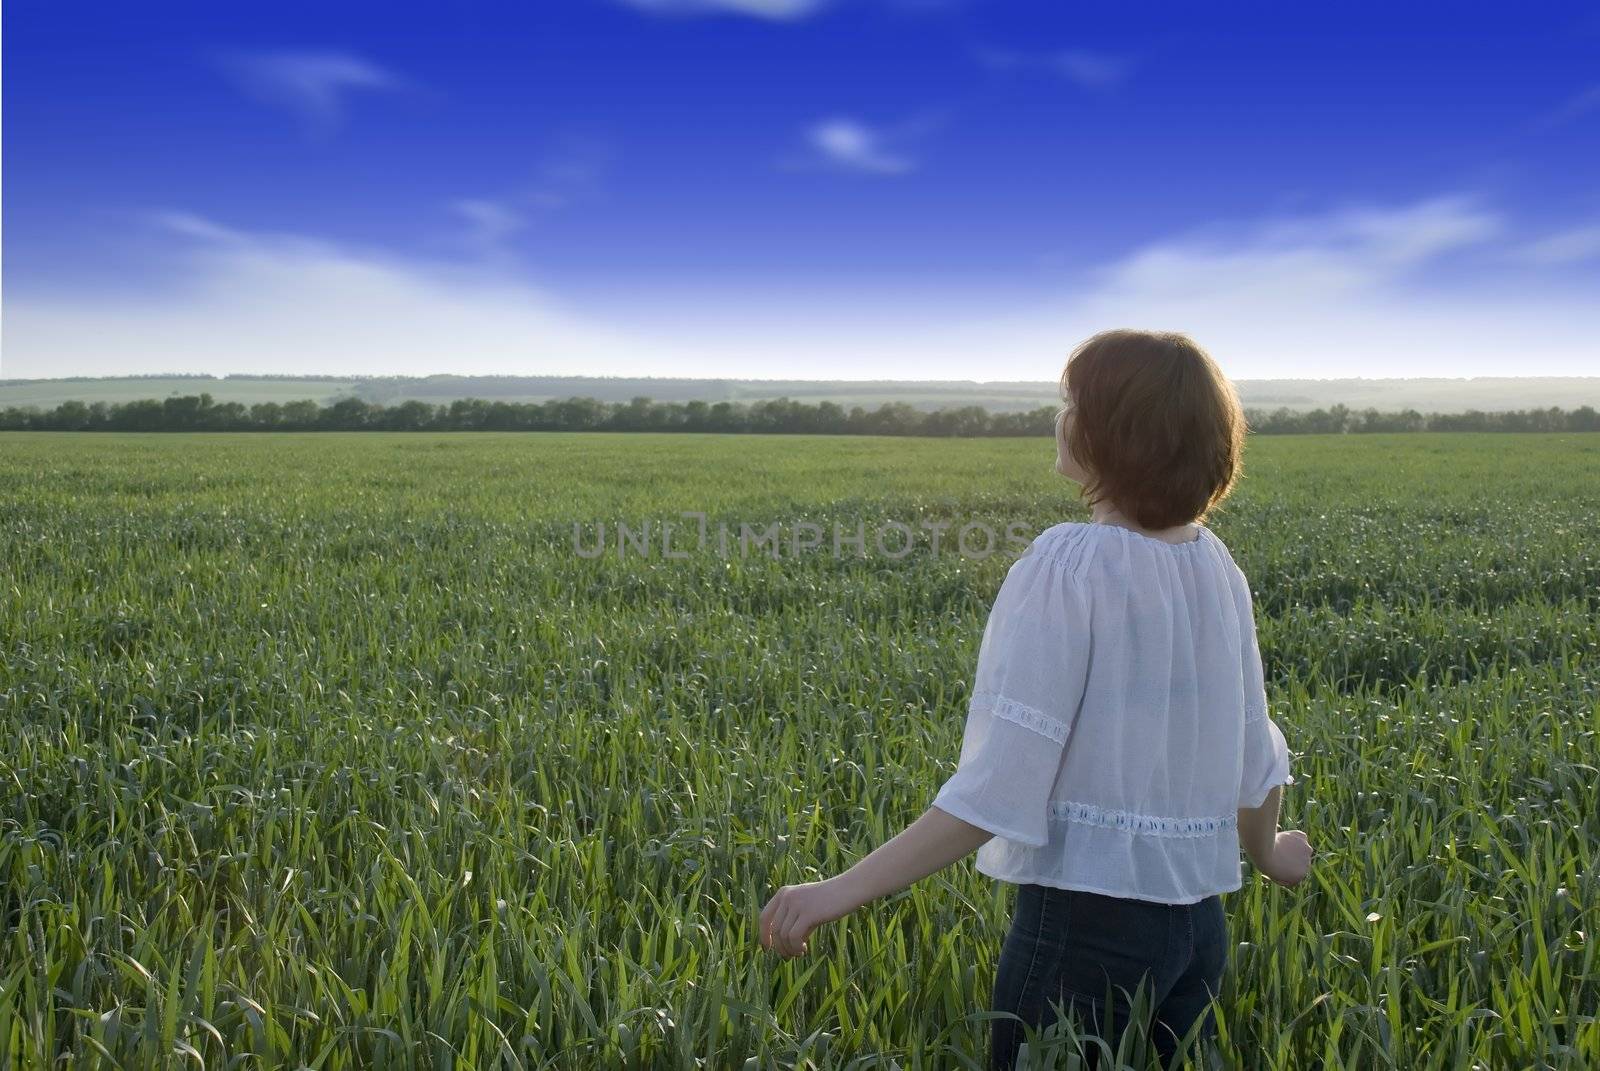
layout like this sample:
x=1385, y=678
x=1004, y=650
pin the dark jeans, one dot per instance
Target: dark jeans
x=1067, y=946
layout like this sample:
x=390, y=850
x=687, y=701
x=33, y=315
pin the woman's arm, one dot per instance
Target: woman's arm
x=927, y=845
x=1033, y=665
x=1258, y=826
x=1284, y=857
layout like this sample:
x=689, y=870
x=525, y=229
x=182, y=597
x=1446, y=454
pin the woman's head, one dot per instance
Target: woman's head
x=1150, y=426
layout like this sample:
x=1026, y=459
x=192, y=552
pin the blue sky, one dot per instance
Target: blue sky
x=798, y=189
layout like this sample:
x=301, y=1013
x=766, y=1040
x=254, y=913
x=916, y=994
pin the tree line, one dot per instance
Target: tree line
x=774, y=416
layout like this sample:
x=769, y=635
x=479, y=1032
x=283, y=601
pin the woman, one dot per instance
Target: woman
x=1118, y=752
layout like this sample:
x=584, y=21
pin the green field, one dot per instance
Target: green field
x=330, y=751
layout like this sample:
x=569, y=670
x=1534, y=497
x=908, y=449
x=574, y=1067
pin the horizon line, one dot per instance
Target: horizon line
x=279, y=376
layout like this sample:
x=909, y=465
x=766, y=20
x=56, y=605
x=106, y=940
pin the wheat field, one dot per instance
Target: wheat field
x=335, y=751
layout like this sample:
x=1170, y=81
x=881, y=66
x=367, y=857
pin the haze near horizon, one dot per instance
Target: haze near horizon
x=668, y=188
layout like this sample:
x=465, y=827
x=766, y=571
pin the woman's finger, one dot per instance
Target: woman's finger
x=768, y=914
x=791, y=924
x=795, y=935
x=775, y=926
x=780, y=923
x=780, y=926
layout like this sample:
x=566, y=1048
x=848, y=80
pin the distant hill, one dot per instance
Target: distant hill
x=1490, y=394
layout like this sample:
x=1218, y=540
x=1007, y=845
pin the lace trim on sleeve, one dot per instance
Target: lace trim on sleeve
x=1020, y=714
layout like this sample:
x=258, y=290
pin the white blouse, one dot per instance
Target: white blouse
x=1118, y=718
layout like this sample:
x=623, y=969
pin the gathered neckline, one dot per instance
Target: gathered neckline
x=1200, y=534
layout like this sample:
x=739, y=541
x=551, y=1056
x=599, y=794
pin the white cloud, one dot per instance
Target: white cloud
x=289, y=304
x=1092, y=70
x=1358, y=290
x=490, y=223
x=1319, y=256
x=1350, y=291
x=1567, y=247
x=190, y=225
x=776, y=10
x=569, y=173
x=854, y=146
x=311, y=84
x=1579, y=104
x=572, y=170
x=1424, y=288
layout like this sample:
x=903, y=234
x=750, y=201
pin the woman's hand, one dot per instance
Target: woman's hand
x=796, y=910
x=929, y=844
x=1291, y=858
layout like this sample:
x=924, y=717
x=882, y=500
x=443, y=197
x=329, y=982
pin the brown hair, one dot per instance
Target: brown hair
x=1155, y=423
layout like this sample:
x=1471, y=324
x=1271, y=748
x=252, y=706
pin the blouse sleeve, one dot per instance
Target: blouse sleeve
x=1032, y=668
x=1266, y=754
